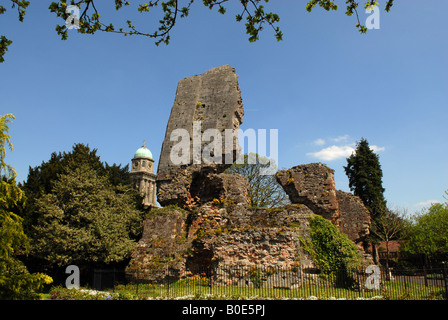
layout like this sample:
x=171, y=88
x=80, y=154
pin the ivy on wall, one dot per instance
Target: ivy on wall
x=331, y=250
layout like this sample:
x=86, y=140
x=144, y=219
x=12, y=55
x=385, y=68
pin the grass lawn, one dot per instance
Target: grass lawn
x=389, y=290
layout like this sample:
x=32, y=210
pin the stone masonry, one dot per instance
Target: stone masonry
x=212, y=101
x=312, y=185
x=354, y=218
x=206, y=220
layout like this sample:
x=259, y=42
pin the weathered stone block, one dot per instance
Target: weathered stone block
x=248, y=238
x=214, y=100
x=312, y=185
x=224, y=188
x=354, y=218
x=162, y=244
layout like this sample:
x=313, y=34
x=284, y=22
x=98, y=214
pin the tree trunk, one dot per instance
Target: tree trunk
x=376, y=259
x=388, y=275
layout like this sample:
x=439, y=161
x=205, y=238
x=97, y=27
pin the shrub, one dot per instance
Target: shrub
x=196, y=280
x=331, y=250
x=256, y=277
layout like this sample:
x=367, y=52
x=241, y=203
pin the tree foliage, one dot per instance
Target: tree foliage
x=365, y=178
x=40, y=178
x=252, y=11
x=429, y=233
x=5, y=142
x=352, y=8
x=81, y=210
x=264, y=190
x=391, y=225
x=15, y=280
x=86, y=220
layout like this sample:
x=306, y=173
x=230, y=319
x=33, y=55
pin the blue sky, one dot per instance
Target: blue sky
x=324, y=87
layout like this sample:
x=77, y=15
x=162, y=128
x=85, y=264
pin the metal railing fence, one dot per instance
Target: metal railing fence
x=257, y=282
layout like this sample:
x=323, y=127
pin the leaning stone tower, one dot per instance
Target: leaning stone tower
x=142, y=173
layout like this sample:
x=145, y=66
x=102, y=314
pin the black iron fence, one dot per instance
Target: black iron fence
x=230, y=282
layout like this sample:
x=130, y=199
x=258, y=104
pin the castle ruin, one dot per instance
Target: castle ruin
x=207, y=220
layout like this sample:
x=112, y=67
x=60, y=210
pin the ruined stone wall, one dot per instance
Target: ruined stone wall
x=354, y=218
x=162, y=245
x=251, y=237
x=214, y=100
x=210, y=222
x=312, y=185
x=264, y=237
x=220, y=233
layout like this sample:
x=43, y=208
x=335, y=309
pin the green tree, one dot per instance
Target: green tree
x=365, y=180
x=264, y=190
x=252, y=11
x=391, y=225
x=117, y=175
x=365, y=177
x=41, y=178
x=85, y=220
x=15, y=280
x=428, y=234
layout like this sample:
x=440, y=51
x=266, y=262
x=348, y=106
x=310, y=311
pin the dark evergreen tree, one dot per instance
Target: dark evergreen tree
x=41, y=179
x=85, y=220
x=365, y=180
x=118, y=175
x=94, y=200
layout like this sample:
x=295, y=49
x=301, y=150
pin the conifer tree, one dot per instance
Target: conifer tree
x=365, y=180
x=80, y=211
x=15, y=280
x=85, y=220
x=41, y=179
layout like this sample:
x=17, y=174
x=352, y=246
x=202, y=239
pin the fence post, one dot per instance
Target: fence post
x=167, y=280
x=445, y=278
x=425, y=275
x=100, y=287
x=114, y=281
x=211, y=272
x=137, y=284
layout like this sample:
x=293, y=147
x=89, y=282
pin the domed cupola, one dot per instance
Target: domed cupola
x=143, y=152
x=142, y=173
